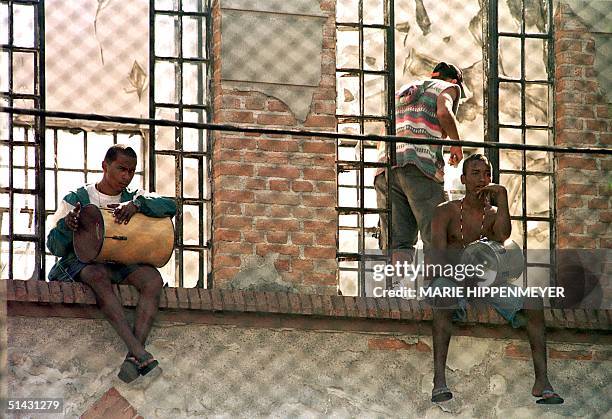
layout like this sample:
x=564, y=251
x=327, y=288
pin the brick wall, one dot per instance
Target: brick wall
x=582, y=119
x=275, y=195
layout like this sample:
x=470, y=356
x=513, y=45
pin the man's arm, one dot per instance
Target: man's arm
x=154, y=205
x=502, y=226
x=59, y=239
x=448, y=121
x=439, y=233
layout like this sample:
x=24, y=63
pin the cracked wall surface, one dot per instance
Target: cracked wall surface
x=247, y=372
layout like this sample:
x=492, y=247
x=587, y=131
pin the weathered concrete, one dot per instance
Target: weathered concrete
x=236, y=372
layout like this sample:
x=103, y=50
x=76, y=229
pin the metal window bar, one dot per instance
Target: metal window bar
x=358, y=167
x=37, y=99
x=179, y=107
x=493, y=123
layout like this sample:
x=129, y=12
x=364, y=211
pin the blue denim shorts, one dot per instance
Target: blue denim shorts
x=70, y=270
x=507, y=307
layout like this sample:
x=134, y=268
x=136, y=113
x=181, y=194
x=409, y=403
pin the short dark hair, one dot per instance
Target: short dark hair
x=446, y=71
x=474, y=157
x=111, y=153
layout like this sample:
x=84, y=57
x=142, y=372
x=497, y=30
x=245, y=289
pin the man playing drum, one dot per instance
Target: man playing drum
x=456, y=224
x=112, y=192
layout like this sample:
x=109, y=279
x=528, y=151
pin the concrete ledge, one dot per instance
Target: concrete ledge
x=277, y=309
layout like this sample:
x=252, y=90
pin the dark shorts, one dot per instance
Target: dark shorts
x=118, y=271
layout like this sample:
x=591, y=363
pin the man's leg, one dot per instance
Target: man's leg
x=98, y=278
x=147, y=280
x=442, y=330
x=380, y=186
x=404, y=228
x=536, y=332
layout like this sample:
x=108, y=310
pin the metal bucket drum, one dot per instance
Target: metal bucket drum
x=501, y=263
x=144, y=239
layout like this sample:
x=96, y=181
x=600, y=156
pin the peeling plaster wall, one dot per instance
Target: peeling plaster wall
x=242, y=372
x=273, y=47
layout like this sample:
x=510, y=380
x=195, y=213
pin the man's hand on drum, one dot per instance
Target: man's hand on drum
x=123, y=212
x=72, y=218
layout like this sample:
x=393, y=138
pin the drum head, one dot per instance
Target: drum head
x=89, y=238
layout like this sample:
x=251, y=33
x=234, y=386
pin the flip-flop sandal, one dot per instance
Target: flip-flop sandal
x=441, y=394
x=550, y=397
x=147, y=364
x=130, y=369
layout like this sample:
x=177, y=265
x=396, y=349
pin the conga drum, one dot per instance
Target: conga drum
x=500, y=263
x=144, y=239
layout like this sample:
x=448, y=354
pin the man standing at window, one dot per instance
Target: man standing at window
x=425, y=109
x=112, y=191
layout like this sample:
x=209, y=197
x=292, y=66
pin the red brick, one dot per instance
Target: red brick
x=320, y=252
x=325, y=239
x=21, y=294
x=172, y=297
x=236, y=116
x=301, y=186
x=234, y=222
x=584, y=163
x=317, y=304
x=302, y=238
x=237, y=144
x=278, y=185
x=234, y=196
x=283, y=249
x=32, y=292
x=394, y=344
x=45, y=296
x=255, y=209
x=277, y=145
x=295, y=303
x=227, y=208
x=570, y=202
x=254, y=236
x=182, y=297
x=276, y=197
x=303, y=265
x=567, y=228
x=569, y=123
x=217, y=299
x=277, y=237
x=257, y=184
x=277, y=106
x=320, y=174
x=383, y=308
x=250, y=302
x=233, y=169
x=277, y=224
x=255, y=103
x=319, y=200
x=230, y=102
x=572, y=188
x=111, y=404
x=320, y=226
x=318, y=146
x=595, y=125
x=280, y=211
x=517, y=351
x=371, y=307
x=599, y=229
x=225, y=261
x=261, y=301
x=306, y=304
x=275, y=171
x=265, y=157
x=223, y=234
x=282, y=265
x=67, y=292
x=575, y=355
x=320, y=279
x=193, y=296
x=276, y=119
x=599, y=203
x=233, y=248
x=321, y=121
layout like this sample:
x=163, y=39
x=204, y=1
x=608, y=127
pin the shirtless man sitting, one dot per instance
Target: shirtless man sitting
x=455, y=225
